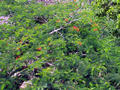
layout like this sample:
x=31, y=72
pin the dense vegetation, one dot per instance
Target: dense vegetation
x=67, y=46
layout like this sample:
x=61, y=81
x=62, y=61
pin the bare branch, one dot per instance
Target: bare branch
x=56, y=30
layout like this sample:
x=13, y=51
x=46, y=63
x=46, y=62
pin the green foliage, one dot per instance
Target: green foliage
x=111, y=9
x=58, y=46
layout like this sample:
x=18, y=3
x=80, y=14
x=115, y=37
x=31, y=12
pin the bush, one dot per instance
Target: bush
x=62, y=46
x=111, y=9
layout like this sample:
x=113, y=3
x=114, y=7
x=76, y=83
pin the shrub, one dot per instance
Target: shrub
x=62, y=46
x=111, y=9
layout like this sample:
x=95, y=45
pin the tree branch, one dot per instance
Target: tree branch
x=56, y=30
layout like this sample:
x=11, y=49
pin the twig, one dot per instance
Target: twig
x=74, y=20
x=61, y=35
x=56, y=30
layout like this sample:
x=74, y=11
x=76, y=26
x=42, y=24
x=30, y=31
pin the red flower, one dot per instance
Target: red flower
x=66, y=20
x=76, y=28
x=17, y=57
x=95, y=29
x=39, y=49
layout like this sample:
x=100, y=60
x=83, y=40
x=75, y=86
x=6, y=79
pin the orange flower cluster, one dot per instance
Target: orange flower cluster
x=91, y=20
x=76, y=28
x=39, y=49
x=20, y=42
x=58, y=21
x=66, y=20
x=18, y=48
x=95, y=29
x=95, y=24
x=80, y=43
